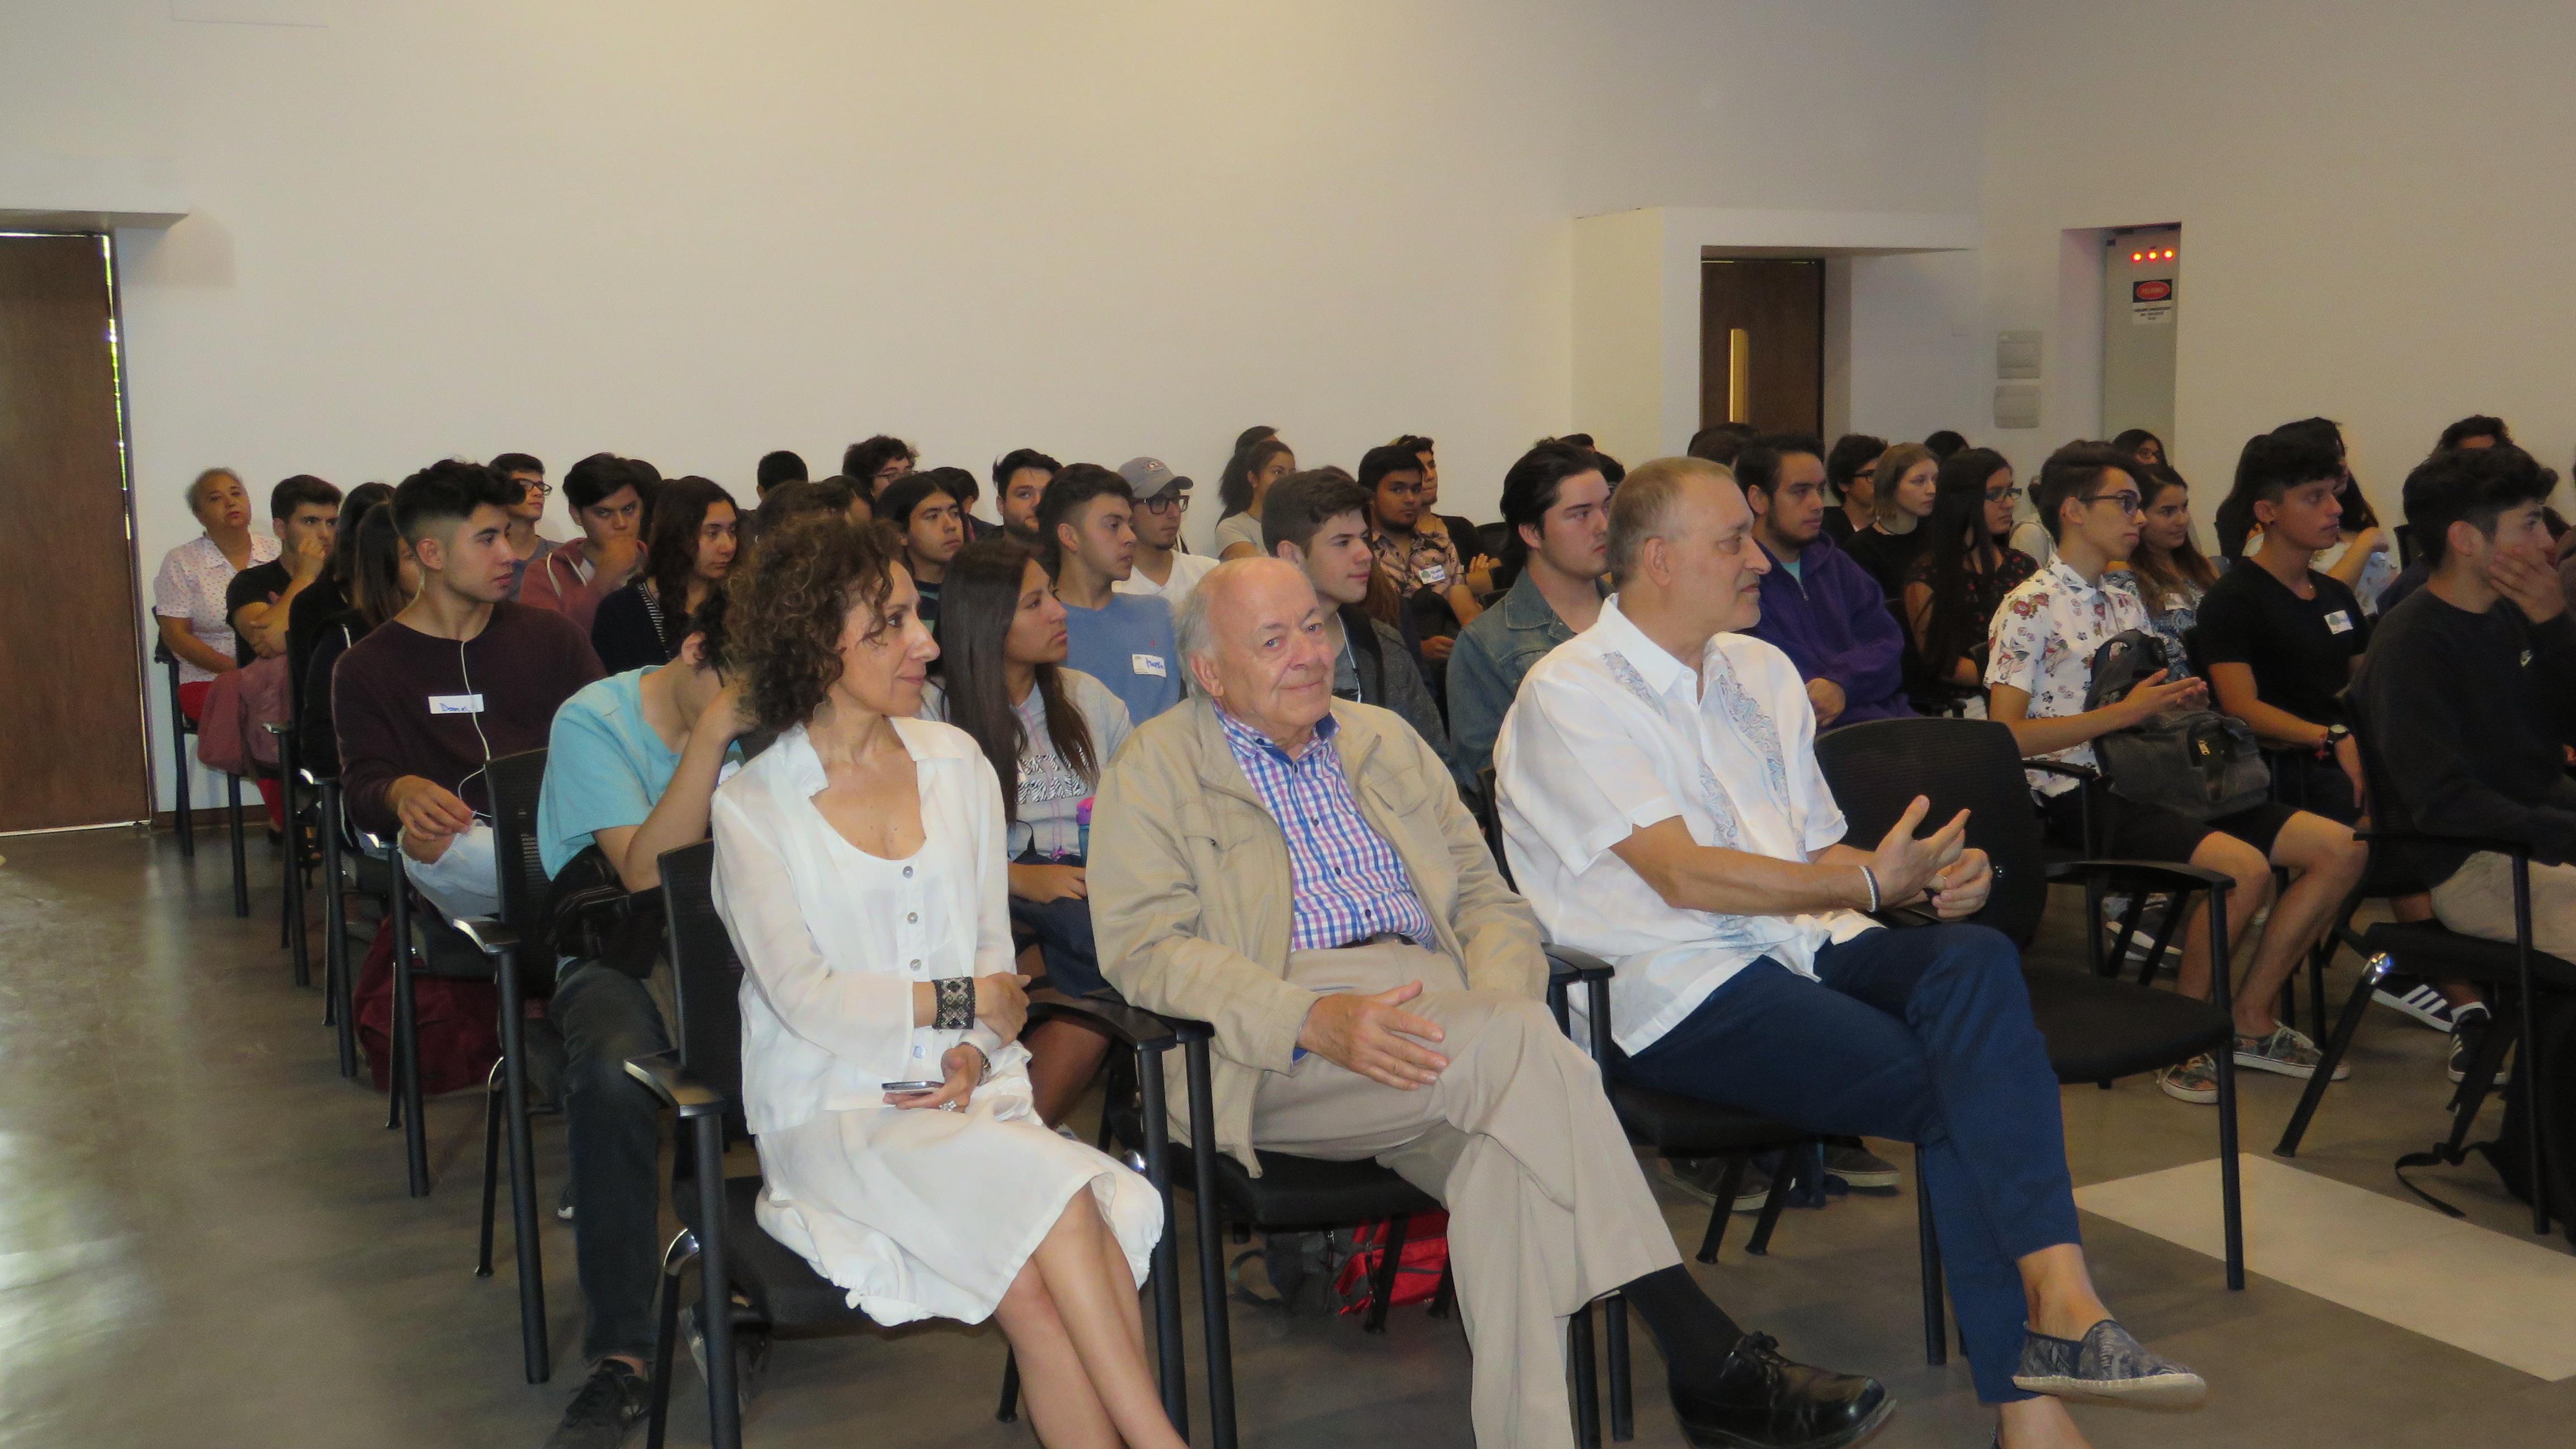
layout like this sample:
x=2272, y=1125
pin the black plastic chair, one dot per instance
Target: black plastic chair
x=701, y=1080
x=290, y=910
x=338, y=988
x=2098, y=1029
x=181, y=729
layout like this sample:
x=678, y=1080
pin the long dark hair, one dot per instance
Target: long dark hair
x=343, y=564
x=672, y=549
x=378, y=593
x=977, y=603
x=1958, y=548
x=1234, y=490
x=2181, y=570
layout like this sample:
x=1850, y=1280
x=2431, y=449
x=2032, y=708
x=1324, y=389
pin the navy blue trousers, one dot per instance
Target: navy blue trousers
x=1923, y=1035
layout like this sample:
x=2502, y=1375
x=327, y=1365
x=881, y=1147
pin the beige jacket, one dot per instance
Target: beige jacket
x=1190, y=897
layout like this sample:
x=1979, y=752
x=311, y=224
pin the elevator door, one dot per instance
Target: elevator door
x=2141, y=311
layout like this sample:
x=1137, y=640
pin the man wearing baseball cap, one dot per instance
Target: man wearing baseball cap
x=1162, y=501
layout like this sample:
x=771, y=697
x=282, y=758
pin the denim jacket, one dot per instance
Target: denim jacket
x=1486, y=665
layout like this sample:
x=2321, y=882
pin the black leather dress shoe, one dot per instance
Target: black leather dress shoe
x=1764, y=1401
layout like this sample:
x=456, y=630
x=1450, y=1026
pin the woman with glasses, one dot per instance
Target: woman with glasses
x=1956, y=583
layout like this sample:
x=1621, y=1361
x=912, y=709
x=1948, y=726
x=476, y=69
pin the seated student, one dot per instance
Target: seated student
x=2479, y=430
x=872, y=463
x=188, y=592
x=1946, y=442
x=1163, y=568
x=1461, y=531
x=383, y=580
x=2038, y=670
x=1020, y=478
x=963, y=486
x=1718, y=442
x=799, y=499
x=632, y=765
x=2360, y=556
x=526, y=544
x=691, y=549
x=859, y=870
x=1239, y=491
x=1954, y=585
x=2142, y=445
x=2468, y=697
x=1292, y=869
x=2281, y=640
x=929, y=524
x=775, y=468
x=1423, y=565
x=2168, y=570
x=317, y=610
x=608, y=496
x=1908, y=480
x=1558, y=506
x=1047, y=730
x=260, y=600
x=1318, y=520
x=1851, y=473
x=1818, y=607
x=1121, y=640
x=1662, y=805
x=459, y=678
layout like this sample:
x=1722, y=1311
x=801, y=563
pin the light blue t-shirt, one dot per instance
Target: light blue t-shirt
x=605, y=767
x=1129, y=647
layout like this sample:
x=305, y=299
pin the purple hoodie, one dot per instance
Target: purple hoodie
x=1832, y=620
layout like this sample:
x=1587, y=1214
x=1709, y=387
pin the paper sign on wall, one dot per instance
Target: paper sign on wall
x=2151, y=304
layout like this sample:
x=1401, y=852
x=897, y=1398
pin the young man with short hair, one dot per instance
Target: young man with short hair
x=1421, y=564
x=1019, y=481
x=1122, y=640
x=2039, y=671
x=526, y=544
x=1818, y=606
x=1558, y=505
x=925, y=511
x=876, y=462
x=1162, y=570
x=305, y=512
x=631, y=767
x=456, y=680
x=780, y=466
x=2468, y=699
x=1319, y=521
x=1851, y=473
x=608, y=495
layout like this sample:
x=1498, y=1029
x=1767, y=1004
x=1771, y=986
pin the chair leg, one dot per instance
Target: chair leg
x=1587, y=1383
x=1009, y=1412
x=1390, y=1262
x=335, y=944
x=715, y=1285
x=1444, y=1299
x=2346, y=1027
x=1936, y=1338
x=1220, y=1331
x=1166, y=1279
x=1623, y=1397
x=529, y=1244
x=491, y=1166
x=1782, y=1178
x=179, y=753
x=1719, y=1216
x=675, y=1261
x=407, y=1050
x=241, y=859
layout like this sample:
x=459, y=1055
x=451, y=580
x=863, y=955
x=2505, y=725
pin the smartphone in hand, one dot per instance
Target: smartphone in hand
x=911, y=1089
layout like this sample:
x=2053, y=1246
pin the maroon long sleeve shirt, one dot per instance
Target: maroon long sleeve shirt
x=407, y=703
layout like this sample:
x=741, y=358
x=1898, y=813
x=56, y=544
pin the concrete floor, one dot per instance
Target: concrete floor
x=204, y=1240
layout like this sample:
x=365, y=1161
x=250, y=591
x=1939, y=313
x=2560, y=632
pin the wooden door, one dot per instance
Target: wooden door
x=71, y=731
x=1780, y=307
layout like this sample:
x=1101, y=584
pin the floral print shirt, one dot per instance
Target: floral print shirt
x=2043, y=643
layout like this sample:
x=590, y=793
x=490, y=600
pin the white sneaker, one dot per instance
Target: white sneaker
x=2417, y=999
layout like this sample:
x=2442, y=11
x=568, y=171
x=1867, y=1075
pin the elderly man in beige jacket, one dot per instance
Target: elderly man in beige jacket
x=1299, y=872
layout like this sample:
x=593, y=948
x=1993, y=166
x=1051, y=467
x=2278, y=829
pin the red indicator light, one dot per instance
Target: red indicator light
x=2137, y=256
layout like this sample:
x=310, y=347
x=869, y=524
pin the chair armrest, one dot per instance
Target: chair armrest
x=489, y=936
x=275, y=730
x=661, y=1075
x=1133, y=1026
x=1564, y=963
x=2158, y=874
x=2375, y=834
x=2083, y=773
x=314, y=781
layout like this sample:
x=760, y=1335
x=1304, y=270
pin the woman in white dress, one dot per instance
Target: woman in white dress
x=859, y=868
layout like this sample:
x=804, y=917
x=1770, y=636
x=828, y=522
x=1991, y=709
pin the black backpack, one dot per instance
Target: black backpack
x=2197, y=763
x=2509, y=1151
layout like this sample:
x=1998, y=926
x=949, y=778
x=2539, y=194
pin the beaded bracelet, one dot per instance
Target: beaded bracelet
x=956, y=1010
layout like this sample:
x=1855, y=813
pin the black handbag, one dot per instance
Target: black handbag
x=2197, y=763
x=590, y=915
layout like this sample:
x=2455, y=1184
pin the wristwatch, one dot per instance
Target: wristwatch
x=2335, y=736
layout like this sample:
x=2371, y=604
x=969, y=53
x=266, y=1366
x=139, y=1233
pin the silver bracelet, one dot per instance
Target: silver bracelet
x=1871, y=876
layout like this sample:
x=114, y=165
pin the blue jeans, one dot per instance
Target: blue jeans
x=613, y=1129
x=1923, y=1035
x=1063, y=931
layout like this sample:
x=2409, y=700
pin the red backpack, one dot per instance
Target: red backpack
x=1418, y=1266
x=457, y=1022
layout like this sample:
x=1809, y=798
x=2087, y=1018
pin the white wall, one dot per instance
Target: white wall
x=697, y=232
x=2374, y=217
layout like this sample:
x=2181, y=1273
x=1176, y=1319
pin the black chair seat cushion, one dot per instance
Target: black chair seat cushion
x=1679, y=1126
x=2429, y=948
x=783, y=1288
x=1304, y=1192
x=445, y=951
x=2099, y=1029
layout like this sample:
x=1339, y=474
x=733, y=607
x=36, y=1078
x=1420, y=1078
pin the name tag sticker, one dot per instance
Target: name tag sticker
x=2338, y=622
x=1433, y=574
x=456, y=704
x=1147, y=664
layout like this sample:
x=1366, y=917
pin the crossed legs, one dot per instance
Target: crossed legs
x=1072, y=1318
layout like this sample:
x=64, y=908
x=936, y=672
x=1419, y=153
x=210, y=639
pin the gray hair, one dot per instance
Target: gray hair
x=197, y=489
x=1197, y=636
x=1648, y=505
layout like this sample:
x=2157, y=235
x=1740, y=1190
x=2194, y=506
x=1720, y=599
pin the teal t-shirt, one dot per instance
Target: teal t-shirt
x=605, y=767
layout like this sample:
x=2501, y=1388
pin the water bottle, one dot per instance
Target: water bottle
x=1082, y=825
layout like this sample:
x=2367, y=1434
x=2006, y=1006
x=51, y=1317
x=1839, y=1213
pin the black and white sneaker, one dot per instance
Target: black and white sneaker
x=2414, y=997
x=2468, y=1035
x=611, y=1402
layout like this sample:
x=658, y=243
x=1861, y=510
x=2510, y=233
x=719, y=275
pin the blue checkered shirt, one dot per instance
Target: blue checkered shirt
x=1345, y=882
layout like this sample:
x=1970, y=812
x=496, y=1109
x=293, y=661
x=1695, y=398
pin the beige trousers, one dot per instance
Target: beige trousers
x=2478, y=901
x=1547, y=1210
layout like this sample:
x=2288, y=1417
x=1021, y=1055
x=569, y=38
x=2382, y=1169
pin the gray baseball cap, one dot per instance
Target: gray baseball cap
x=1150, y=479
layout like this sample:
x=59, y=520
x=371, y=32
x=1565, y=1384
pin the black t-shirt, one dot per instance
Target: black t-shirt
x=2301, y=650
x=258, y=584
x=1888, y=557
x=624, y=636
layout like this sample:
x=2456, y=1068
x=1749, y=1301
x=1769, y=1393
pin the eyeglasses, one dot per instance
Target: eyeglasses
x=1166, y=503
x=542, y=490
x=1866, y=475
x=2128, y=503
x=2002, y=495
